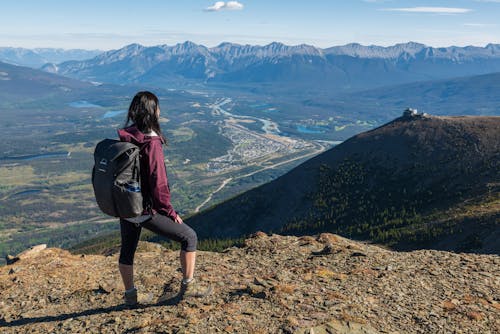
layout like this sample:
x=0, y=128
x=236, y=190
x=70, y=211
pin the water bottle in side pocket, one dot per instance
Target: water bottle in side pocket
x=133, y=187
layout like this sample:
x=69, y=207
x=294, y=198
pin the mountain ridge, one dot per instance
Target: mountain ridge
x=28, y=83
x=395, y=184
x=38, y=57
x=351, y=66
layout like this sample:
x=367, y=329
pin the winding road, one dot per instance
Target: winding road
x=268, y=125
x=209, y=198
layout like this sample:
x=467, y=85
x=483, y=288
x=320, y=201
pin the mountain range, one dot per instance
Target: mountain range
x=471, y=95
x=38, y=57
x=417, y=182
x=21, y=84
x=349, y=67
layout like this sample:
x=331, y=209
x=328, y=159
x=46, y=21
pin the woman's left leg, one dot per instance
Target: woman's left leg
x=188, y=261
x=182, y=233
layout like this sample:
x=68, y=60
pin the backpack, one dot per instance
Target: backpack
x=116, y=178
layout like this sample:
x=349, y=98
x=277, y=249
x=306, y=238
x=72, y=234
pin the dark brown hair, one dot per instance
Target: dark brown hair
x=143, y=113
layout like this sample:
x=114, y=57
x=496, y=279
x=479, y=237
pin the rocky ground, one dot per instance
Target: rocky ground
x=275, y=284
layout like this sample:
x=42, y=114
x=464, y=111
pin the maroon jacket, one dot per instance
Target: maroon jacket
x=154, y=181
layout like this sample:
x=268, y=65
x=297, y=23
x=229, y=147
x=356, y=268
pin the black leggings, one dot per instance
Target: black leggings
x=159, y=224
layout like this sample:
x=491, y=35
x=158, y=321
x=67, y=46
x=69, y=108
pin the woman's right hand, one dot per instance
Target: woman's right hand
x=178, y=219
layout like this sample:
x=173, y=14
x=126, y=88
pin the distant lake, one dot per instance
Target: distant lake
x=83, y=104
x=87, y=104
x=310, y=129
x=37, y=156
x=113, y=113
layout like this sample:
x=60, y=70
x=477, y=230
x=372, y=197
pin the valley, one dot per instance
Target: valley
x=215, y=151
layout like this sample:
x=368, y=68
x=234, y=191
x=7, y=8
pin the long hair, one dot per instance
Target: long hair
x=143, y=112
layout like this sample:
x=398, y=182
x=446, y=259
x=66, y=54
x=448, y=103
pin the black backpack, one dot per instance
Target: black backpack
x=116, y=178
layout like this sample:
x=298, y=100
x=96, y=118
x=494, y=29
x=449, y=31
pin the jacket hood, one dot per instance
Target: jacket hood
x=133, y=135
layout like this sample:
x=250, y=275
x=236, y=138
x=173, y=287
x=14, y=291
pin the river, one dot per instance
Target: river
x=37, y=156
x=268, y=126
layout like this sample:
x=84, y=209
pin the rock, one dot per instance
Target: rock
x=339, y=327
x=257, y=291
x=475, y=315
x=325, y=273
x=327, y=250
x=107, y=286
x=449, y=306
x=259, y=235
x=31, y=251
x=357, y=254
x=269, y=283
x=11, y=259
x=328, y=238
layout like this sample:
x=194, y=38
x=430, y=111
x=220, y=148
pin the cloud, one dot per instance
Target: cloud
x=221, y=5
x=432, y=10
x=234, y=5
x=216, y=6
x=480, y=25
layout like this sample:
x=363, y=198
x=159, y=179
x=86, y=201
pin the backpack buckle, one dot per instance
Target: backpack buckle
x=103, y=161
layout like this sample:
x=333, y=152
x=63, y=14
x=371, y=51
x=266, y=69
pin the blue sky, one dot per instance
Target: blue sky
x=111, y=24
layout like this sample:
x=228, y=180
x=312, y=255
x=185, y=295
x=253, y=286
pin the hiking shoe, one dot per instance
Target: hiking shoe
x=130, y=297
x=170, y=295
x=194, y=289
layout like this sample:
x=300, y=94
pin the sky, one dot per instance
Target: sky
x=112, y=24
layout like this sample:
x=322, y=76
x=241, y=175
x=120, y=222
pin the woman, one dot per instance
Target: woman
x=159, y=215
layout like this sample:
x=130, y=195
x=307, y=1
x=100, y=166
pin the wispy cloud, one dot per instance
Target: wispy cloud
x=430, y=10
x=480, y=25
x=221, y=5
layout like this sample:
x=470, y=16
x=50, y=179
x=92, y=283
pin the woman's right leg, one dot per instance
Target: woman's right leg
x=130, y=234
